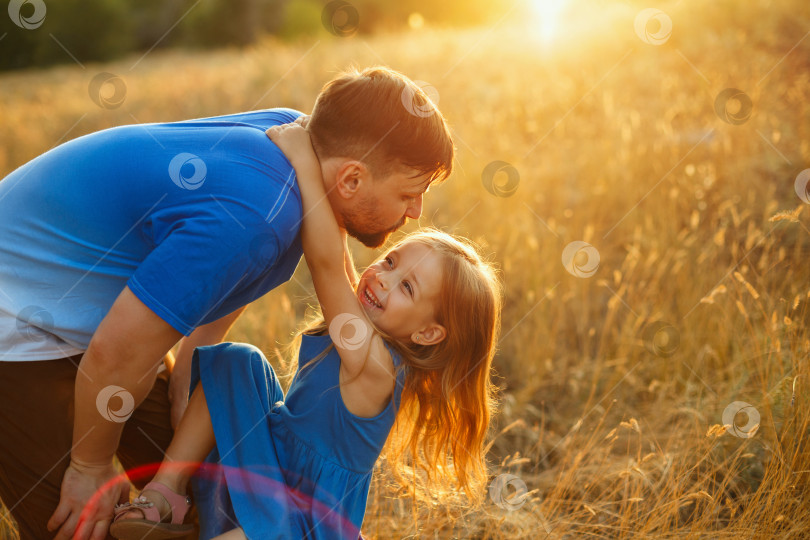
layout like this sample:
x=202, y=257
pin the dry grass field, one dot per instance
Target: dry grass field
x=616, y=380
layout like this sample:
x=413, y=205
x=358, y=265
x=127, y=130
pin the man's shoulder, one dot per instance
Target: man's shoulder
x=263, y=118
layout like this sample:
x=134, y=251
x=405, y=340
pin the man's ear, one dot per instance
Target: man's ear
x=351, y=175
x=430, y=335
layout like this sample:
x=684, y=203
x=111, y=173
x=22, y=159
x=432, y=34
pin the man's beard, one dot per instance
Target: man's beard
x=354, y=221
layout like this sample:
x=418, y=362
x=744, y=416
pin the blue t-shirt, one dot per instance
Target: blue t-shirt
x=197, y=218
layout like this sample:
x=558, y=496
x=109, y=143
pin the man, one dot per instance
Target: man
x=119, y=244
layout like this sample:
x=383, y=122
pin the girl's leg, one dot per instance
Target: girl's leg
x=193, y=441
x=234, y=534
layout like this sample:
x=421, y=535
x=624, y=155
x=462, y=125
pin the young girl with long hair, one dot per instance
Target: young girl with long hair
x=400, y=363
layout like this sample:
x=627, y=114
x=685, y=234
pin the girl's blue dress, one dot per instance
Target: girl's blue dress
x=289, y=467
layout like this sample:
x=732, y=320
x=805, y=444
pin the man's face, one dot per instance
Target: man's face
x=382, y=206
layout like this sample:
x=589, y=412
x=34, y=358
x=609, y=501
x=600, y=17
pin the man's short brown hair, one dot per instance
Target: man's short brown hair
x=381, y=117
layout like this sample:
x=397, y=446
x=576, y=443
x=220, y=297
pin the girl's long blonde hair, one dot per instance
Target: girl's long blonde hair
x=448, y=397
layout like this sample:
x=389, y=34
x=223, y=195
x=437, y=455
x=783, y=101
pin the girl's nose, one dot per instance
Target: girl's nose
x=382, y=280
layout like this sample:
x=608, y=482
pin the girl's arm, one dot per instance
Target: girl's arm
x=305, y=160
x=324, y=248
x=351, y=272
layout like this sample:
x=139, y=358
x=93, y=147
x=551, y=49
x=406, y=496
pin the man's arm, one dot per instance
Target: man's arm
x=207, y=334
x=115, y=375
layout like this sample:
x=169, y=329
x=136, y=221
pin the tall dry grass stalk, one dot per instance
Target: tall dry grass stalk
x=615, y=431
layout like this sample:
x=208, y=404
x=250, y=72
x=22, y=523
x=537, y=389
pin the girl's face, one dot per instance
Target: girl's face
x=399, y=293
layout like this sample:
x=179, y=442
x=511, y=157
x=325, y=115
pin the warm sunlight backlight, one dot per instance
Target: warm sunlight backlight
x=547, y=16
x=416, y=21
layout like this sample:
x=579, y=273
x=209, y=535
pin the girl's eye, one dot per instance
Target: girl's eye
x=408, y=287
x=390, y=261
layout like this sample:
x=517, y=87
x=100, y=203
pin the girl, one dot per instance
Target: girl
x=406, y=351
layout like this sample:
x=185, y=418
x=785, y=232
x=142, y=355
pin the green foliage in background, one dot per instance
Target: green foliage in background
x=89, y=29
x=99, y=30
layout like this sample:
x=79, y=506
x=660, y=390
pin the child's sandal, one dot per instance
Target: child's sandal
x=150, y=527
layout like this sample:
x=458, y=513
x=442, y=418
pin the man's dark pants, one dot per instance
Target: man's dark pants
x=36, y=435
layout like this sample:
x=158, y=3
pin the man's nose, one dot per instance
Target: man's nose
x=415, y=208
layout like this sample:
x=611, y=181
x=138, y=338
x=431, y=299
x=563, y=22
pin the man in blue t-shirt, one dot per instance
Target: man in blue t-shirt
x=118, y=245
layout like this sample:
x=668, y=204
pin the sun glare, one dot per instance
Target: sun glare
x=546, y=17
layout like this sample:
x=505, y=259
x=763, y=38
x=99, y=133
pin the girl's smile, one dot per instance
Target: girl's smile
x=370, y=299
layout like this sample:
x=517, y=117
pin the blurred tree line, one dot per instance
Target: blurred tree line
x=42, y=32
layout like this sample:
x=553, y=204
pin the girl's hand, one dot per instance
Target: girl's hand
x=293, y=139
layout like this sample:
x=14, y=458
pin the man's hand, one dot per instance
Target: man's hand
x=86, y=503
